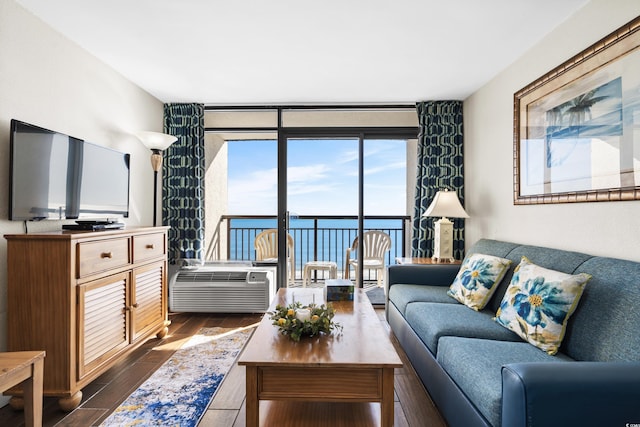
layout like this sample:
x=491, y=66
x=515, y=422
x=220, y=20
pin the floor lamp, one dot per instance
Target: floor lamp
x=445, y=204
x=156, y=142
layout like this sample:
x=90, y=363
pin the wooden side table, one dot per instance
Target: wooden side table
x=417, y=260
x=26, y=368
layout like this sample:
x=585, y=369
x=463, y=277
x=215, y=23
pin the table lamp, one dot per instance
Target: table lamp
x=156, y=142
x=445, y=204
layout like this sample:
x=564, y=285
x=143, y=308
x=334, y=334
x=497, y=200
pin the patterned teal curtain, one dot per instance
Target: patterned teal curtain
x=183, y=181
x=440, y=166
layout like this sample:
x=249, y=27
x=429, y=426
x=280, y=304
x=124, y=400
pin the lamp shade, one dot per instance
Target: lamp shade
x=446, y=204
x=156, y=140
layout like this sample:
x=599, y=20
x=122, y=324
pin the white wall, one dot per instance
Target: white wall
x=216, y=199
x=49, y=81
x=604, y=228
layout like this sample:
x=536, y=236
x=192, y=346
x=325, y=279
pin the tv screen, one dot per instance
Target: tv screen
x=56, y=176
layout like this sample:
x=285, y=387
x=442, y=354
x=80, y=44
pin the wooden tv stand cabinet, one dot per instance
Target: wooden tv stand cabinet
x=87, y=298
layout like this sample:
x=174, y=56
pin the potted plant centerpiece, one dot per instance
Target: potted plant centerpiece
x=296, y=320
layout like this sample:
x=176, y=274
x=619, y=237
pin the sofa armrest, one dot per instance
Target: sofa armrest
x=571, y=393
x=422, y=274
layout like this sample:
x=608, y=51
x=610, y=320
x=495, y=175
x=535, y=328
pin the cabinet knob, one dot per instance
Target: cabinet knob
x=106, y=255
x=150, y=246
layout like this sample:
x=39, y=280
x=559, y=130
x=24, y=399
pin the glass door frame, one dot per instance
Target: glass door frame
x=359, y=133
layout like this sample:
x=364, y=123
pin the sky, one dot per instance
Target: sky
x=322, y=177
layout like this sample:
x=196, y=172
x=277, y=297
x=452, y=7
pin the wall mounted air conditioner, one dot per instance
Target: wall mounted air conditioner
x=222, y=288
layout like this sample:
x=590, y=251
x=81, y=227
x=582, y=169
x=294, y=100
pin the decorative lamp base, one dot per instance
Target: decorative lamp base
x=443, y=240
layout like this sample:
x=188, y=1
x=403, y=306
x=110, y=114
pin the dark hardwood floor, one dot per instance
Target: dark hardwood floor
x=413, y=406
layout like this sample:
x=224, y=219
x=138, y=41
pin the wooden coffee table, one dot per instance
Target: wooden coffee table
x=355, y=365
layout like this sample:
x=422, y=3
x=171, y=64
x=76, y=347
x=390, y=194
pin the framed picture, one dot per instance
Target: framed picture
x=577, y=128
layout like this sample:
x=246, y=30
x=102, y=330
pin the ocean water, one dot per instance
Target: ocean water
x=327, y=242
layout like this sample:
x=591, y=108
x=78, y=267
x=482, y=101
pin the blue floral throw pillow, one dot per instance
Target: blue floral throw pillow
x=539, y=302
x=478, y=279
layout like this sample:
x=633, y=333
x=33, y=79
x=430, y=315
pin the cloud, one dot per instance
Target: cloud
x=259, y=190
x=310, y=179
x=307, y=173
x=257, y=180
x=372, y=149
x=254, y=194
x=384, y=168
x=348, y=156
x=373, y=170
x=296, y=190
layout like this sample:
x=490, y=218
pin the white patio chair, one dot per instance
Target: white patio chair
x=375, y=245
x=266, y=246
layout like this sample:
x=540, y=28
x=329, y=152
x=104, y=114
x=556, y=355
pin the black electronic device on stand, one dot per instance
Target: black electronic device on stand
x=94, y=225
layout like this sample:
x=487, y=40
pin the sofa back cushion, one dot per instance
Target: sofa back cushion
x=492, y=247
x=554, y=259
x=605, y=326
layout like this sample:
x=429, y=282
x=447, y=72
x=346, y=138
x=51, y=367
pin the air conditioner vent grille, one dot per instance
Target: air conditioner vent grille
x=222, y=289
x=212, y=276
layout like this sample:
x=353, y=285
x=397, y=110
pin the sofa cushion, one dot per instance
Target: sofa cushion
x=604, y=327
x=401, y=295
x=477, y=279
x=554, y=259
x=475, y=366
x=538, y=303
x=431, y=321
x=492, y=247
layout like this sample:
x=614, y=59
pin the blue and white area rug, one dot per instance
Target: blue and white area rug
x=179, y=392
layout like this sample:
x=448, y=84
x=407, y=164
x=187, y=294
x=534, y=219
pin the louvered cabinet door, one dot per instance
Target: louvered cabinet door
x=103, y=321
x=149, y=302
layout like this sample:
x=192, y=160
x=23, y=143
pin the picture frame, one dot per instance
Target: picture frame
x=577, y=128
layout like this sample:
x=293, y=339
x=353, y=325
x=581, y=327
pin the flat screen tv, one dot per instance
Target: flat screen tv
x=56, y=176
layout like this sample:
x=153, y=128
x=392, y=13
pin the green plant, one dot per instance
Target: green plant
x=296, y=320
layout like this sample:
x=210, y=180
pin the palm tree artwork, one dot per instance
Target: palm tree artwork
x=566, y=122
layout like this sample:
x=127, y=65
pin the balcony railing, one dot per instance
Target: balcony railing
x=316, y=238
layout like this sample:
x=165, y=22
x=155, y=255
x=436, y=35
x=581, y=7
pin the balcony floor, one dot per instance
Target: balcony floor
x=368, y=284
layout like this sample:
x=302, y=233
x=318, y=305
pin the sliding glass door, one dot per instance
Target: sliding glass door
x=322, y=202
x=332, y=188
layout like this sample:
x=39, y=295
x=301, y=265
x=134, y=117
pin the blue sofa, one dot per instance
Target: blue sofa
x=479, y=373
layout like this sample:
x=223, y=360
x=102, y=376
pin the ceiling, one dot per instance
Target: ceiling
x=256, y=52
